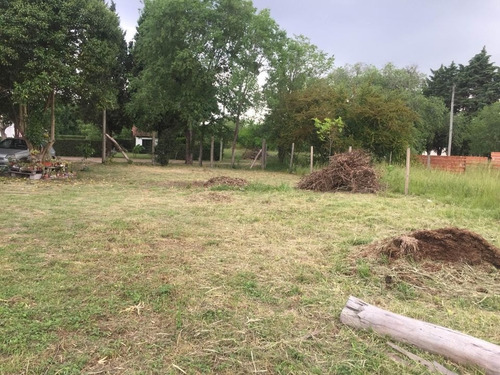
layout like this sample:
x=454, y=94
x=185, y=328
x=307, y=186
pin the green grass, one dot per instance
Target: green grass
x=135, y=269
x=477, y=188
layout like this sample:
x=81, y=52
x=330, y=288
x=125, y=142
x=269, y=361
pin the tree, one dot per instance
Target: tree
x=485, y=130
x=176, y=54
x=50, y=49
x=296, y=65
x=254, y=36
x=441, y=82
x=328, y=130
x=196, y=57
x=380, y=121
x=431, y=127
x=478, y=83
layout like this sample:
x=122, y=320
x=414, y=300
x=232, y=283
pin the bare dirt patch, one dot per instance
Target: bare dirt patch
x=449, y=245
x=351, y=172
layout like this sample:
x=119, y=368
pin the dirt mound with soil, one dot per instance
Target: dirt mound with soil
x=227, y=181
x=451, y=245
x=351, y=172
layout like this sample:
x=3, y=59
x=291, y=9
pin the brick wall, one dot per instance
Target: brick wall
x=446, y=163
x=495, y=160
x=475, y=160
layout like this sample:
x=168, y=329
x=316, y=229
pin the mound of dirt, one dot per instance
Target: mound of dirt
x=351, y=172
x=451, y=245
x=227, y=181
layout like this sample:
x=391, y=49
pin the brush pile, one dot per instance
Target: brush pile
x=352, y=172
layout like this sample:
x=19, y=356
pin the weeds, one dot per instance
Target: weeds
x=476, y=189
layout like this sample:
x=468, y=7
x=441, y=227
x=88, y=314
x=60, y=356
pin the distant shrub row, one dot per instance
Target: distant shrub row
x=74, y=147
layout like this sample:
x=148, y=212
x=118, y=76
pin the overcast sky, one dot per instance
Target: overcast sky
x=426, y=33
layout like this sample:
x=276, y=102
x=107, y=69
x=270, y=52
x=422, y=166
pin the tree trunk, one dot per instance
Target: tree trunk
x=52, y=138
x=439, y=340
x=3, y=135
x=20, y=127
x=189, y=138
x=104, y=130
x=200, y=156
x=212, y=146
x=235, y=139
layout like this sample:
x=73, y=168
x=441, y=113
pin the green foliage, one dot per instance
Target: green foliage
x=194, y=57
x=477, y=84
x=251, y=135
x=298, y=64
x=328, y=130
x=86, y=150
x=67, y=47
x=485, y=130
x=138, y=149
x=431, y=127
x=89, y=130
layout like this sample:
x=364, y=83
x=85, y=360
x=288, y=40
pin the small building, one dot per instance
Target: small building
x=144, y=139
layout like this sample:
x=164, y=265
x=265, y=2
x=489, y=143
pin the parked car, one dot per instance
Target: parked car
x=15, y=149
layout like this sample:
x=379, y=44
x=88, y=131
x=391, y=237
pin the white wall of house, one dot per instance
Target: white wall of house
x=139, y=140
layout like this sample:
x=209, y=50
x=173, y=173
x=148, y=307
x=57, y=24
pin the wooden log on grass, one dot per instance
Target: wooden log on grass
x=439, y=340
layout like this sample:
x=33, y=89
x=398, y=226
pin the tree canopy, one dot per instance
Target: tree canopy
x=198, y=60
x=56, y=48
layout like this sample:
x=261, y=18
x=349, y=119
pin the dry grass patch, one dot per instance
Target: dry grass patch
x=129, y=272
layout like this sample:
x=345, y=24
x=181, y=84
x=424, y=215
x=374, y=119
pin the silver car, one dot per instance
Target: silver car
x=15, y=149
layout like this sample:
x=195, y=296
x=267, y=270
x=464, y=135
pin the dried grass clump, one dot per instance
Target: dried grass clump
x=227, y=181
x=351, y=172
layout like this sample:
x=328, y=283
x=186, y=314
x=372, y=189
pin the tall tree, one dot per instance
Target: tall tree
x=441, y=82
x=196, y=56
x=485, y=130
x=431, y=128
x=296, y=65
x=239, y=89
x=178, y=60
x=54, y=49
x=478, y=84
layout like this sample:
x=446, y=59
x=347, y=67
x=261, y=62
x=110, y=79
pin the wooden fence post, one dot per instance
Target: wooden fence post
x=212, y=145
x=291, y=156
x=104, y=135
x=407, y=175
x=221, y=154
x=264, y=154
x=312, y=158
x=153, y=148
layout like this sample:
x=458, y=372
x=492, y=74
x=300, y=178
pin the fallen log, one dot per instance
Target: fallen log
x=439, y=340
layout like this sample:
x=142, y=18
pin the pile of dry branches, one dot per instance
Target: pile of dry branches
x=351, y=172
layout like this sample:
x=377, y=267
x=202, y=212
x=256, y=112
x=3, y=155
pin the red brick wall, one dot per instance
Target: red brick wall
x=446, y=163
x=495, y=159
x=476, y=160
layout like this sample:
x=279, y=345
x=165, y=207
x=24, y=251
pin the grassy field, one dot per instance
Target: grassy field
x=135, y=269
